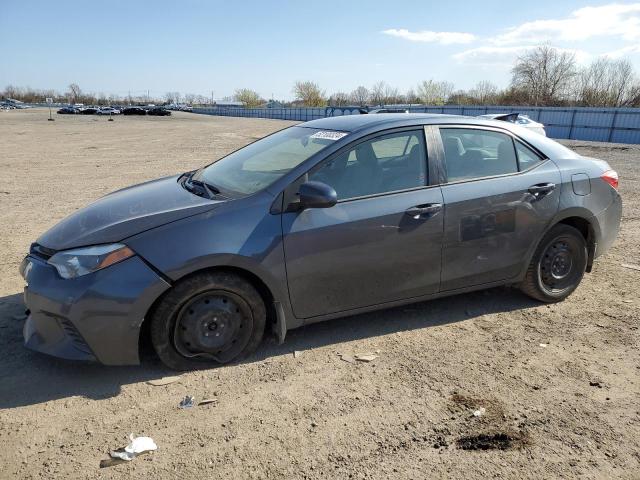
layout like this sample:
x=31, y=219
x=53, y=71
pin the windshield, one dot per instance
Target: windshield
x=261, y=163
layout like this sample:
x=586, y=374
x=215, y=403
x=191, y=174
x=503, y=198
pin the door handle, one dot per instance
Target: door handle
x=427, y=209
x=541, y=189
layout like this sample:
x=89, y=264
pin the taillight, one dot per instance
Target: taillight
x=611, y=177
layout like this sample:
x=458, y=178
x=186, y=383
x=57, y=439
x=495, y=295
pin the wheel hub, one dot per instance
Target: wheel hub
x=556, y=265
x=561, y=265
x=209, y=323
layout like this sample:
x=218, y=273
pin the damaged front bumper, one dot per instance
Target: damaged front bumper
x=93, y=317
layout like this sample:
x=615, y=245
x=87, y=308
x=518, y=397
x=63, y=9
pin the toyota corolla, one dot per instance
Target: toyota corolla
x=325, y=219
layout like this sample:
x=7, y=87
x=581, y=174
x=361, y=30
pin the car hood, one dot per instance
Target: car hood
x=126, y=212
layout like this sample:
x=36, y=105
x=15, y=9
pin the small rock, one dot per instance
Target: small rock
x=366, y=357
x=347, y=358
x=159, y=382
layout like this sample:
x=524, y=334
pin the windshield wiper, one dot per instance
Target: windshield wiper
x=211, y=190
x=200, y=188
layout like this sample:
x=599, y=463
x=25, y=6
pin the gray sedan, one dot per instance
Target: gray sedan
x=321, y=220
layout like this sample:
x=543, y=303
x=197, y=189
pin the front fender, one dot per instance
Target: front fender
x=241, y=235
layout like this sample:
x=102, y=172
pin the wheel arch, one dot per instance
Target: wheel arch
x=586, y=228
x=266, y=293
x=579, y=218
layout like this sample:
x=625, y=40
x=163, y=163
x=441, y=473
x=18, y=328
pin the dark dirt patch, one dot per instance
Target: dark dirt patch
x=492, y=441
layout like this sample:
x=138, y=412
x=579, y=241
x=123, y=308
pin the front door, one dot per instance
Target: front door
x=499, y=197
x=381, y=242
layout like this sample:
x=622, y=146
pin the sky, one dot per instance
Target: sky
x=214, y=47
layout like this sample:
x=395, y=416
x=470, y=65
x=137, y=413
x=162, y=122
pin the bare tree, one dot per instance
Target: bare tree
x=607, y=83
x=11, y=92
x=545, y=73
x=484, y=92
x=189, y=98
x=411, y=97
x=432, y=92
x=74, y=92
x=378, y=93
x=201, y=100
x=309, y=94
x=339, y=99
x=392, y=95
x=249, y=97
x=172, y=97
x=360, y=96
x=461, y=97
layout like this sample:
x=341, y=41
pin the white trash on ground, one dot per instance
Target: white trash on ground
x=136, y=446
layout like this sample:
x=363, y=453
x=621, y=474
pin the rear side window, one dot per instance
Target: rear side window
x=475, y=153
x=527, y=158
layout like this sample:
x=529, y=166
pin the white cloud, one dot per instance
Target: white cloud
x=623, y=52
x=443, y=38
x=506, y=56
x=488, y=56
x=613, y=20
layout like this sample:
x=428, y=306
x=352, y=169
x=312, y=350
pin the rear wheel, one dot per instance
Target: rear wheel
x=557, y=266
x=206, y=319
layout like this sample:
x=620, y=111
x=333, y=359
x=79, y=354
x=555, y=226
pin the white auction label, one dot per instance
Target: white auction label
x=329, y=135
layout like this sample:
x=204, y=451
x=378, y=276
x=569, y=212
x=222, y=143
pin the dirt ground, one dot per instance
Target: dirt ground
x=558, y=387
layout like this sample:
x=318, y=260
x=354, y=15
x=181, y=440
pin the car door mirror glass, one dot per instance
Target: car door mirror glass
x=317, y=195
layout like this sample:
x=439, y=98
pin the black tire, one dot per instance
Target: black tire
x=557, y=266
x=181, y=324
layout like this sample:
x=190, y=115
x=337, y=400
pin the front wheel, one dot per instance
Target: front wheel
x=207, y=318
x=557, y=266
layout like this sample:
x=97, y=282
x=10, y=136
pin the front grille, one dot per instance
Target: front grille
x=41, y=252
x=74, y=335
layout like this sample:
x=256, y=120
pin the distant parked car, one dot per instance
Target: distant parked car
x=89, y=111
x=108, y=111
x=159, y=111
x=134, y=111
x=67, y=111
x=518, y=119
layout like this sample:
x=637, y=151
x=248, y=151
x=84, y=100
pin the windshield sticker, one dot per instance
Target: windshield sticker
x=329, y=135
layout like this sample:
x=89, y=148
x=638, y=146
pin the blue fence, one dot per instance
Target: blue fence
x=620, y=125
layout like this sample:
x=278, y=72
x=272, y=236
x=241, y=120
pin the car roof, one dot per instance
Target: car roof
x=371, y=123
x=353, y=123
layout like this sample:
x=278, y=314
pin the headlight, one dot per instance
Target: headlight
x=80, y=261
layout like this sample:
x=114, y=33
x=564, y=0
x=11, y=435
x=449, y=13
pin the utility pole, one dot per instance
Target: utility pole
x=211, y=97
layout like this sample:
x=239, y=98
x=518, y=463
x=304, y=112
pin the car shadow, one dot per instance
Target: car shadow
x=28, y=378
x=414, y=316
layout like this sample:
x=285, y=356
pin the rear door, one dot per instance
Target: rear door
x=381, y=242
x=499, y=196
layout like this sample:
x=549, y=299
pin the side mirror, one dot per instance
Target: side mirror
x=317, y=195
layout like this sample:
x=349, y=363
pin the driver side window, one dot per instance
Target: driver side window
x=391, y=162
